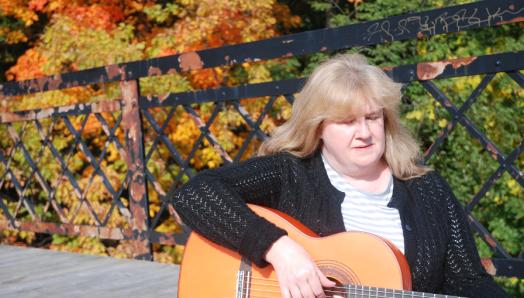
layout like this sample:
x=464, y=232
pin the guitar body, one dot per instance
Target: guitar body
x=350, y=258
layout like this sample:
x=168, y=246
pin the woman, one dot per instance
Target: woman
x=342, y=162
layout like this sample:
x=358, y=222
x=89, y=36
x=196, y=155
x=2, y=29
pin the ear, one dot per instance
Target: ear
x=320, y=128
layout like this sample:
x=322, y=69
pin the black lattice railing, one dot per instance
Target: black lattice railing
x=141, y=131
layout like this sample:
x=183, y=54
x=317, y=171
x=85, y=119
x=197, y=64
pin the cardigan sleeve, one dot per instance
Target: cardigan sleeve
x=463, y=272
x=213, y=204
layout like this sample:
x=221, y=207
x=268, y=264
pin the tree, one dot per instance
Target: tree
x=113, y=31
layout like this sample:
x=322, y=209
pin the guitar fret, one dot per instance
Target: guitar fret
x=240, y=279
x=248, y=283
x=358, y=291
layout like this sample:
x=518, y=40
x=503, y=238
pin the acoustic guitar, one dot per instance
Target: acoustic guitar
x=362, y=265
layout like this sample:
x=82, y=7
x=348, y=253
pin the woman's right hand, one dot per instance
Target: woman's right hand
x=298, y=275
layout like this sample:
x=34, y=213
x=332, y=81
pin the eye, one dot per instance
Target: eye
x=374, y=116
x=347, y=121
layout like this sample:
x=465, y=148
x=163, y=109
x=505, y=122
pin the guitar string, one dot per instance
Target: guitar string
x=274, y=282
x=327, y=296
x=338, y=294
x=354, y=290
x=278, y=296
x=346, y=294
x=328, y=293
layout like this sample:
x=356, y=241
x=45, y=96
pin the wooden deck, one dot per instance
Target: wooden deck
x=30, y=272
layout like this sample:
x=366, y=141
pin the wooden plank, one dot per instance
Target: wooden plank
x=31, y=272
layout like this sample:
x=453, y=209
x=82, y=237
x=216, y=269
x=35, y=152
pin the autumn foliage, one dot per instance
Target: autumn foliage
x=83, y=34
x=71, y=35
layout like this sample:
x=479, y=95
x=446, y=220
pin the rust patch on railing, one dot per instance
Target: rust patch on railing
x=488, y=265
x=190, y=61
x=490, y=241
x=7, y=117
x=114, y=70
x=154, y=71
x=55, y=82
x=431, y=70
x=99, y=107
x=163, y=97
x=492, y=150
x=106, y=106
x=514, y=20
x=70, y=229
x=456, y=63
x=138, y=202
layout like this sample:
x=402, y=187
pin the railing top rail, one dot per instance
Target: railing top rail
x=504, y=62
x=415, y=25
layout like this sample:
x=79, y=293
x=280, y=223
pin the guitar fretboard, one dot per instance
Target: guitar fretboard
x=354, y=291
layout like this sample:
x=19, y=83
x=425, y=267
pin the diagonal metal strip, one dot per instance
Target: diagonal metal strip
x=5, y=209
x=472, y=130
x=151, y=178
x=170, y=115
x=112, y=138
x=517, y=77
x=64, y=170
x=495, y=176
x=45, y=143
x=23, y=200
x=116, y=201
x=29, y=159
x=290, y=98
x=91, y=178
x=115, y=196
x=91, y=159
x=494, y=245
x=256, y=126
x=245, y=115
x=174, y=152
x=449, y=128
x=17, y=184
x=204, y=132
x=41, y=180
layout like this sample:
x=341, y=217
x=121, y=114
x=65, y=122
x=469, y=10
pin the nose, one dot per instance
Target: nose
x=363, y=129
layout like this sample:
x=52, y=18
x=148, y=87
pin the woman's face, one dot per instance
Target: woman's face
x=355, y=145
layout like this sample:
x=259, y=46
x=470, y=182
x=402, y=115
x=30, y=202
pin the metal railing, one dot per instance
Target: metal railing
x=126, y=122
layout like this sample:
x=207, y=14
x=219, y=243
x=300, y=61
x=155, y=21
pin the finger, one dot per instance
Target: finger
x=324, y=281
x=316, y=287
x=284, y=292
x=306, y=290
x=295, y=292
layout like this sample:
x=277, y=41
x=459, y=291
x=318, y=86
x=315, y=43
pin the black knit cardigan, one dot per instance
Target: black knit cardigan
x=438, y=243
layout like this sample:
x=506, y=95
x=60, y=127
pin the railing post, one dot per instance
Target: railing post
x=135, y=159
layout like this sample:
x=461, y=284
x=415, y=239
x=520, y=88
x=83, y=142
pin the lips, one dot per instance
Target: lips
x=363, y=146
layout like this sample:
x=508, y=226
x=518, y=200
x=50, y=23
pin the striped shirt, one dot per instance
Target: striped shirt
x=368, y=212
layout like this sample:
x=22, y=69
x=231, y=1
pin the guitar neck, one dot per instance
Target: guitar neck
x=355, y=291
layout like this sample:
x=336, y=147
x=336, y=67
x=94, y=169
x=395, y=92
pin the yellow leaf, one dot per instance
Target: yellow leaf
x=417, y=115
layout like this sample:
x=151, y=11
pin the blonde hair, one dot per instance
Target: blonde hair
x=340, y=88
